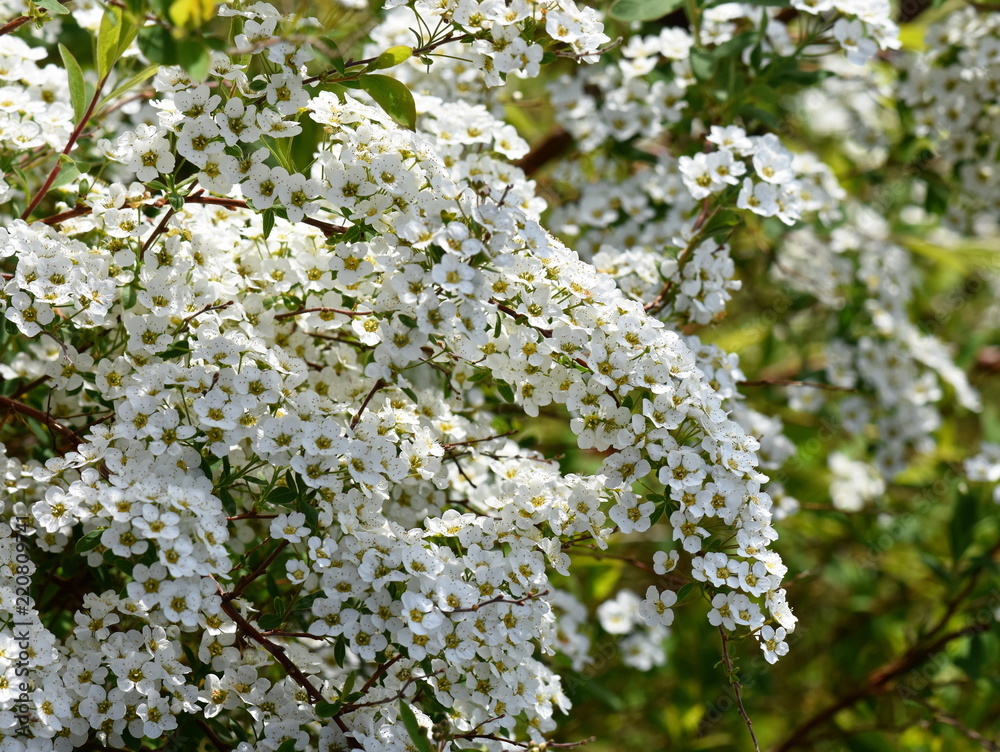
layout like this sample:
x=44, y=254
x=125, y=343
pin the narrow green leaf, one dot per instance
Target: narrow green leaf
x=327, y=709
x=228, y=502
x=108, y=36
x=158, y=45
x=89, y=541
x=67, y=173
x=393, y=56
x=393, y=97
x=129, y=297
x=340, y=651
x=962, y=525
x=643, y=10
x=349, y=683
x=282, y=495
x=505, y=391
x=268, y=218
x=702, y=64
x=53, y=7
x=135, y=80
x=685, y=591
x=413, y=728
x=269, y=621
x=195, y=58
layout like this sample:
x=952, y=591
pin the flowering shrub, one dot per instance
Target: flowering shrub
x=281, y=325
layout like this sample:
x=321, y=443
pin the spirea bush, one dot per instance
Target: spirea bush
x=344, y=346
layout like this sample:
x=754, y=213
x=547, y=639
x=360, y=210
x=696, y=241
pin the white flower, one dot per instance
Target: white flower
x=290, y=527
x=772, y=642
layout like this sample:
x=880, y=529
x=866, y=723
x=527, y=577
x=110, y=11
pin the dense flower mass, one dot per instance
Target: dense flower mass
x=276, y=316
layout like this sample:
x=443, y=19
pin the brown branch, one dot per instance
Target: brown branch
x=73, y=138
x=274, y=649
x=551, y=147
x=547, y=333
x=300, y=311
x=398, y=696
x=206, y=309
x=453, y=444
x=379, y=385
x=213, y=737
x=380, y=671
x=877, y=683
x=784, y=382
x=12, y=26
x=734, y=680
x=499, y=599
x=247, y=579
x=328, y=228
x=161, y=227
x=42, y=417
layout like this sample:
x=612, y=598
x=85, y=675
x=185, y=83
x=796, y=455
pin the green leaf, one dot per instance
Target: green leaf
x=138, y=78
x=327, y=709
x=158, y=45
x=176, y=350
x=288, y=746
x=129, y=297
x=228, y=502
x=77, y=85
x=130, y=741
x=505, y=391
x=68, y=172
x=340, y=651
x=108, y=37
x=270, y=621
x=282, y=495
x=89, y=541
x=393, y=97
x=52, y=7
x=268, y=218
x=643, y=10
x=393, y=56
x=702, y=64
x=349, y=684
x=962, y=524
x=685, y=591
x=194, y=57
x=310, y=512
x=760, y=3
x=413, y=728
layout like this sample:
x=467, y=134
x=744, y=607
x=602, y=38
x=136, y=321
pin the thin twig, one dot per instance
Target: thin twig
x=274, y=649
x=73, y=138
x=379, y=385
x=784, y=382
x=342, y=311
x=14, y=25
x=42, y=417
x=499, y=599
x=734, y=680
x=246, y=580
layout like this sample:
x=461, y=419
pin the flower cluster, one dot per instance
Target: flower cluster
x=285, y=339
x=284, y=384
x=950, y=89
